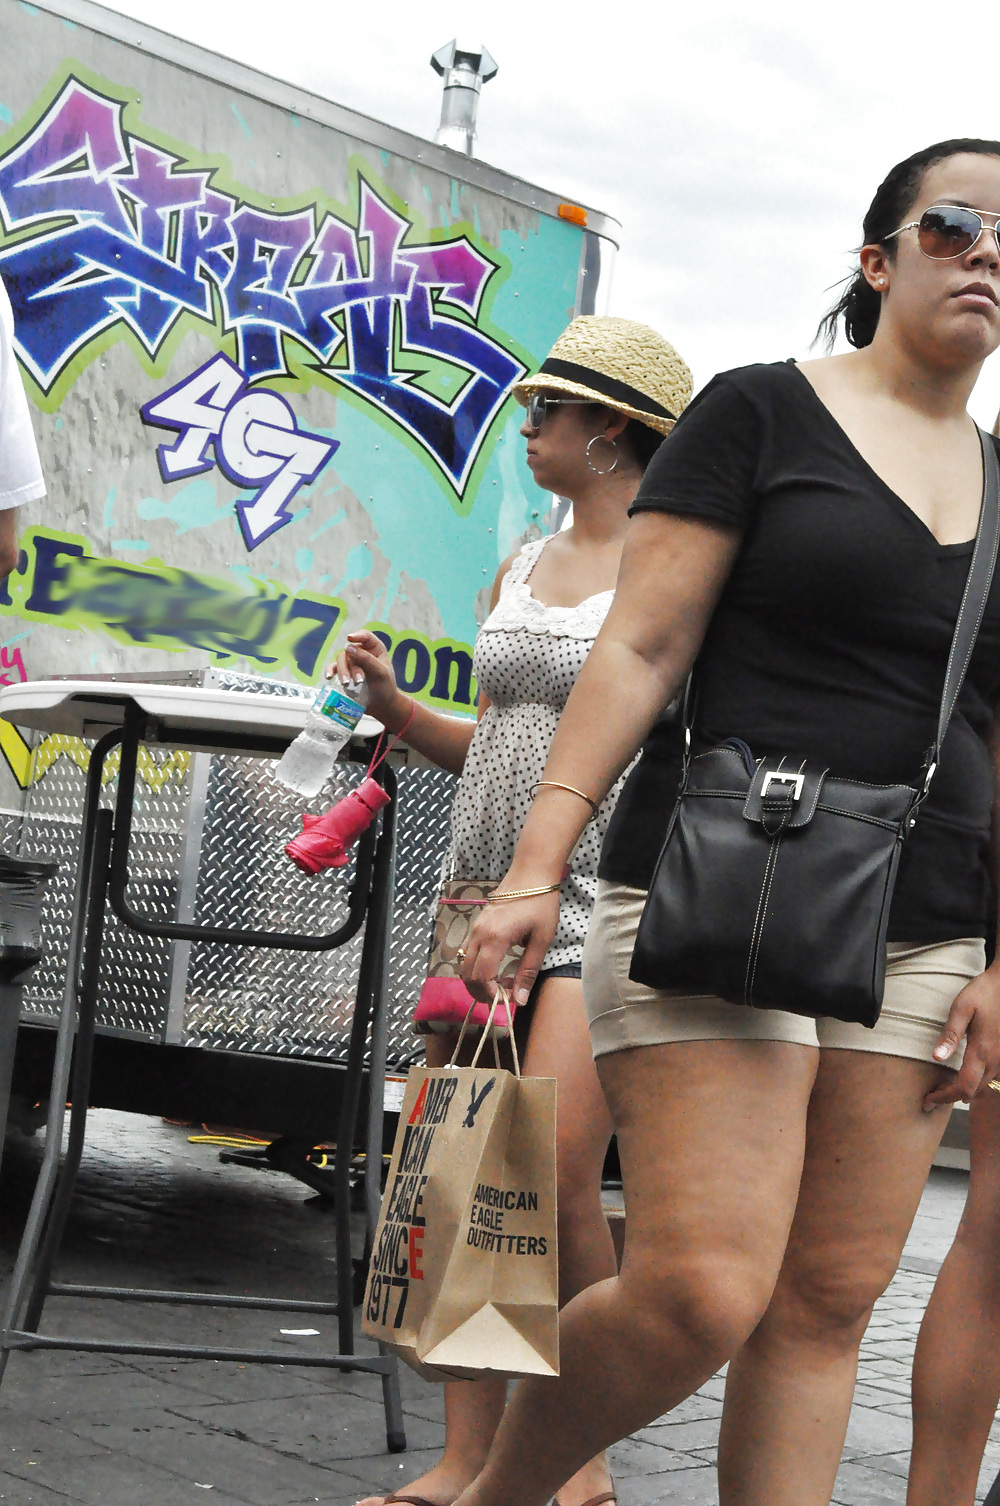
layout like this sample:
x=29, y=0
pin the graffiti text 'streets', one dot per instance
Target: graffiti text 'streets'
x=111, y=230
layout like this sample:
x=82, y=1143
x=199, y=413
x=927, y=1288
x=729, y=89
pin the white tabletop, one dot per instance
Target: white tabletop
x=89, y=708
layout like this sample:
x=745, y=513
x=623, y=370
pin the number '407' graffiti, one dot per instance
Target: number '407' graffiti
x=255, y=437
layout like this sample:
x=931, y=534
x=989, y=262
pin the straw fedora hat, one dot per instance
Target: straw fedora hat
x=626, y=366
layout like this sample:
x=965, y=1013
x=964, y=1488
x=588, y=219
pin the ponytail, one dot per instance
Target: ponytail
x=859, y=305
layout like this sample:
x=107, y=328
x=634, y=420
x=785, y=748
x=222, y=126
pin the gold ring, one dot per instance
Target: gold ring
x=994, y=1085
x=460, y=957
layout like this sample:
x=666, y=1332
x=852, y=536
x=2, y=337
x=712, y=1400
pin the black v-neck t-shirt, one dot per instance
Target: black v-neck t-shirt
x=829, y=641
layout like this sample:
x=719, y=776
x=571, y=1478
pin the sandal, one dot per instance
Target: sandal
x=609, y=1495
x=405, y=1499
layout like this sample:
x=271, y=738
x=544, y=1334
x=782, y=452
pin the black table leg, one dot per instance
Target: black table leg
x=395, y=1429
x=83, y=1061
x=10, y=1013
x=44, y=1187
x=369, y=979
x=102, y=879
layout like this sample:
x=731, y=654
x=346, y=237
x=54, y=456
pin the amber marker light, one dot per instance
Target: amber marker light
x=575, y=213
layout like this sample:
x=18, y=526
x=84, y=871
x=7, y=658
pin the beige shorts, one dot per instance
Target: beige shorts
x=920, y=987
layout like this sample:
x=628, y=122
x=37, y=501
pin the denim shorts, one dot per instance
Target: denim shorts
x=567, y=970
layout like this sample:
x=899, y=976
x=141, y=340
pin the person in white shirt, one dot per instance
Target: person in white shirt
x=20, y=468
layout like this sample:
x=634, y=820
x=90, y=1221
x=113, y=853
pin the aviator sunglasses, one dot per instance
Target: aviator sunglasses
x=948, y=230
x=539, y=403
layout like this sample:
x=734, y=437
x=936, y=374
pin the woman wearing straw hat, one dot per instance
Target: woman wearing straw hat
x=597, y=410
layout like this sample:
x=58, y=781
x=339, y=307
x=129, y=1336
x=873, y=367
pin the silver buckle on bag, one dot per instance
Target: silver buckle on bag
x=774, y=776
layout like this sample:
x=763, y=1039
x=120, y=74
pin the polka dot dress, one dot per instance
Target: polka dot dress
x=527, y=658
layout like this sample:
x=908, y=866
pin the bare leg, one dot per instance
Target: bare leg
x=559, y=1047
x=956, y=1373
x=711, y=1136
x=869, y=1148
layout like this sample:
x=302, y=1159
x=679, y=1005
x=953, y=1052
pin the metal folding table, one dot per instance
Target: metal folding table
x=124, y=715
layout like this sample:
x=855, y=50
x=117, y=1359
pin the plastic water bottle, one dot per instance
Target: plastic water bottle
x=308, y=762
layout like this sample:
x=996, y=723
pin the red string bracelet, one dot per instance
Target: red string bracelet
x=325, y=840
x=413, y=711
x=394, y=738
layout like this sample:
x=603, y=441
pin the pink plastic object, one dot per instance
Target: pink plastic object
x=445, y=1002
x=324, y=840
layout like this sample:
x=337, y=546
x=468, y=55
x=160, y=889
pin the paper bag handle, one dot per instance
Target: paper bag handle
x=499, y=995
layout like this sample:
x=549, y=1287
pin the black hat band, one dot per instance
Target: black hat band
x=607, y=386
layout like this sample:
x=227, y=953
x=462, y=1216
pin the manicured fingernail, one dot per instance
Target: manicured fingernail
x=942, y=1052
x=521, y=995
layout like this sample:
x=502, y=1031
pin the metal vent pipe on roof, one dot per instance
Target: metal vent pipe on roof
x=465, y=70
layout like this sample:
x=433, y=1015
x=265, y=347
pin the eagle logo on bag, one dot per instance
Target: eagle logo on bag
x=476, y=1103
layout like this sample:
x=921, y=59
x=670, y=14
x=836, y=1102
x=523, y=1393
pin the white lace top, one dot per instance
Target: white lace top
x=526, y=660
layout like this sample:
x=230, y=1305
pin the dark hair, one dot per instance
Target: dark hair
x=859, y=304
x=639, y=439
x=642, y=441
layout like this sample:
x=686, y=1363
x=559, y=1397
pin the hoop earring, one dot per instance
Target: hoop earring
x=614, y=464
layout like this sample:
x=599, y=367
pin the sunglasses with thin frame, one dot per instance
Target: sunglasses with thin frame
x=948, y=230
x=539, y=404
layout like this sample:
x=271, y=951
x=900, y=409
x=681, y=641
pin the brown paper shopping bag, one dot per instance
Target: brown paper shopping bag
x=463, y=1276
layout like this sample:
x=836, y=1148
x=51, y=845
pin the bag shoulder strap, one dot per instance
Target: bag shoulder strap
x=974, y=599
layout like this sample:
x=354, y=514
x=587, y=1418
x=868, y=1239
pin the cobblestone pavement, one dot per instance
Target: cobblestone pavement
x=153, y=1209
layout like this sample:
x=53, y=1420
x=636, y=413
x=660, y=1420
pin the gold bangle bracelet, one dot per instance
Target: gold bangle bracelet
x=556, y=784
x=496, y=899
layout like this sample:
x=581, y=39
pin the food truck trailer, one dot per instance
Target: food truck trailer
x=267, y=343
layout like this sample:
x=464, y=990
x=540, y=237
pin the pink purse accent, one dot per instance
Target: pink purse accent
x=445, y=1001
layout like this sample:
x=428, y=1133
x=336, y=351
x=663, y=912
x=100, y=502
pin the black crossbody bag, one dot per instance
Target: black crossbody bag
x=775, y=879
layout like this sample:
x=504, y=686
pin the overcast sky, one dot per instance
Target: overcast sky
x=739, y=144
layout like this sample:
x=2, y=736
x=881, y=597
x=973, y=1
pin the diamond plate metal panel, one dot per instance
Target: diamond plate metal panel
x=136, y=968
x=50, y=827
x=425, y=797
x=250, y=998
x=296, y=1003
x=231, y=679
x=231, y=998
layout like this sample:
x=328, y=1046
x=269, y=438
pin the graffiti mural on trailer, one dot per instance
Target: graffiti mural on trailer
x=111, y=231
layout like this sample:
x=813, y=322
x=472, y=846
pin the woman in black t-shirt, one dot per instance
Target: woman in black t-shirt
x=805, y=533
